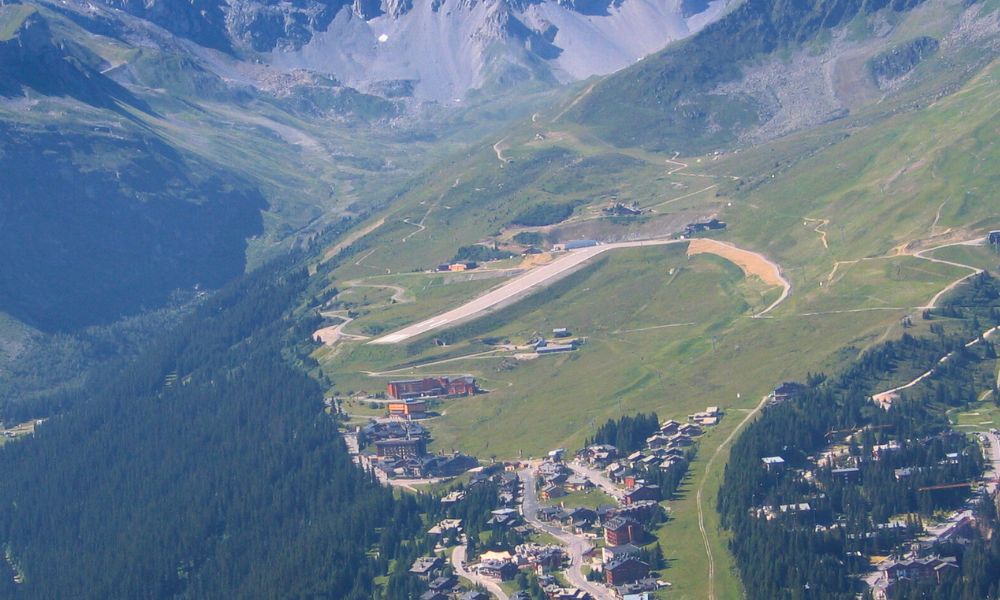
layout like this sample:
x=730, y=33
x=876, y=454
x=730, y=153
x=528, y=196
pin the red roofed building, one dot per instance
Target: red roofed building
x=431, y=387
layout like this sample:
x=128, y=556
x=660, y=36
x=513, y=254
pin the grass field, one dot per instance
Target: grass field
x=591, y=498
x=981, y=417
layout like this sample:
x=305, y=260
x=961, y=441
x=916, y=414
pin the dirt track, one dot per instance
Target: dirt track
x=752, y=264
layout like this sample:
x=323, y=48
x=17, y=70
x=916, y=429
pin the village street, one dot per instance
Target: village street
x=598, y=478
x=576, y=545
x=992, y=451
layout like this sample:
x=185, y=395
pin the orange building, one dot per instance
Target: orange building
x=413, y=409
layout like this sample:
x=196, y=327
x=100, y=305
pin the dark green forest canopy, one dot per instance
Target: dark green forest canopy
x=204, y=469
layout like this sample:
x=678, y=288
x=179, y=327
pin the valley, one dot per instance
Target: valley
x=546, y=267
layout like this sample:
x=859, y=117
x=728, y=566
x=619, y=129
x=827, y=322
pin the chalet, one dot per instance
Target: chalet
x=667, y=462
x=446, y=526
x=561, y=332
x=580, y=518
x=474, y=595
x=548, y=513
x=610, y=553
x=679, y=440
x=773, y=464
x=622, y=530
x=710, y=416
x=500, y=570
x=657, y=440
x=689, y=429
x=557, y=478
x=434, y=595
x=615, y=471
x=994, y=238
x=550, y=469
x=551, y=491
x=431, y=387
x=427, y=567
x=642, y=492
x=669, y=427
x=542, y=558
x=578, y=483
x=605, y=512
x=404, y=448
x=443, y=583
x=598, y=455
x=411, y=408
x=786, y=391
x=625, y=570
x=650, y=461
x=578, y=244
x=520, y=595
x=503, y=517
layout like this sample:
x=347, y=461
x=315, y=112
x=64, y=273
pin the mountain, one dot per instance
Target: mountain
x=434, y=49
x=815, y=174
x=768, y=68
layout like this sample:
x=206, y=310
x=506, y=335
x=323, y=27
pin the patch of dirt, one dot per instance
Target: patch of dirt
x=750, y=262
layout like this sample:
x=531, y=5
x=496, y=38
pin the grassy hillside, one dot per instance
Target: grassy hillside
x=844, y=209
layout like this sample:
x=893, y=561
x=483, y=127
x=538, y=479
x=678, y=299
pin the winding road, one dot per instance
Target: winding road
x=458, y=562
x=576, y=545
x=957, y=282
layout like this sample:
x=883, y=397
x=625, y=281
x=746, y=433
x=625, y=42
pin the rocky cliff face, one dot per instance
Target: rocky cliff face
x=441, y=48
